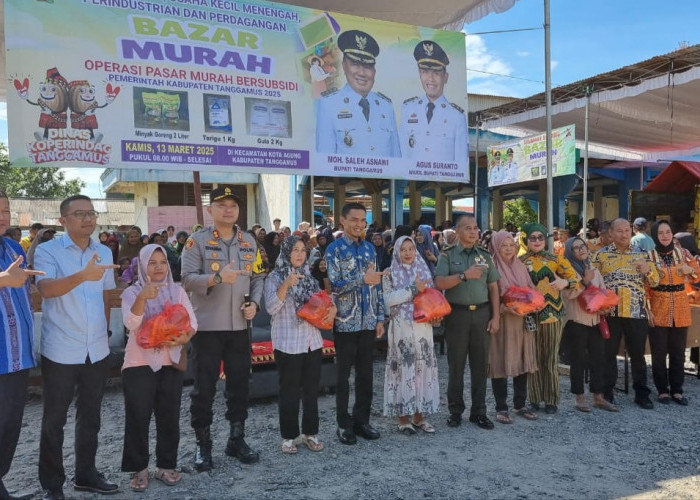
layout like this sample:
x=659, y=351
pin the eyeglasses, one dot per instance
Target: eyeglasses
x=535, y=238
x=85, y=214
x=578, y=248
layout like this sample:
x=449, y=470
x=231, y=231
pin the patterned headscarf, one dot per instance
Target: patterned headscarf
x=307, y=285
x=403, y=275
x=525, y=233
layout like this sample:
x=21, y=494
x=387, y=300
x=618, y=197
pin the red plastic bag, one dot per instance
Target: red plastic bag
x=429, y=305
x=523, y=299
x=172, y=322
x=316, y=308
x=604, y=328
x=594, y=299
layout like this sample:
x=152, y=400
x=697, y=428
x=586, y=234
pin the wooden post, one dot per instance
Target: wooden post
x=198, y=197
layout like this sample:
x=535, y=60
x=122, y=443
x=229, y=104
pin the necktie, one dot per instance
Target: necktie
x=364, y=104
x=429, y=113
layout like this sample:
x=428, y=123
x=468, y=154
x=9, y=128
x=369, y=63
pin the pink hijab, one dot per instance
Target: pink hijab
x=513, y=272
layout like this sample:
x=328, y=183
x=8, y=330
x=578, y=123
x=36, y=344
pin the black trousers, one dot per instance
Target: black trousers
x=668, y=341
x=208, y=350
x=354, y=349
x=298, y=372
x=500, y=392
x=61, y=382
x=146, y=393
x=586, y=344
x=635, y=333
x=466, y=336
x=13, y=396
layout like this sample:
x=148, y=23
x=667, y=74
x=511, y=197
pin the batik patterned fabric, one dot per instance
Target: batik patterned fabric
x=620, y=275
x=669, y=302
x=544, y=268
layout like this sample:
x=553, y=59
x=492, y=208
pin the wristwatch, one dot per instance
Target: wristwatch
x=217, y=278
x=462, y=277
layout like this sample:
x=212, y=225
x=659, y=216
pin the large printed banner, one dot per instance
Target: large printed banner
x=525, y=159
x=229, y=85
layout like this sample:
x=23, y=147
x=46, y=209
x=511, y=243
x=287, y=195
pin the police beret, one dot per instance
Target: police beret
x=358, y=46
x=430, y=55
x=223, y=192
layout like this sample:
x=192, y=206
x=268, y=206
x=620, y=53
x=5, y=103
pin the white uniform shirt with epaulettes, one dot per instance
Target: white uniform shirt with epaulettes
x=443, y=139
x=218, y=308
x=341, y=126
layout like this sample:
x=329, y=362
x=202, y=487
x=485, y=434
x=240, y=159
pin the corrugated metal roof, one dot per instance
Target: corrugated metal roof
x=26, y=211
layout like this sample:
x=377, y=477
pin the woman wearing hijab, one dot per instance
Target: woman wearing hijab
x=260, y=235
x=450, y=237
x=271, y=247
x=297, y=345
x=381, y=255
x=583, y=330
x=180, y=240
x=152, y=378
x=132, y=244
x=670, y=314
x=320, y=272
x=42, y=236
x=551, y=274
x=512, y=351
x=426, y=248
x=131, y=273
x=113, y=244
x=323, y=239
x=411, y=379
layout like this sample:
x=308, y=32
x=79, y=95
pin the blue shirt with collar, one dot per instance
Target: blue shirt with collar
x=74, y=326
x=17, y=344
x=360, y=306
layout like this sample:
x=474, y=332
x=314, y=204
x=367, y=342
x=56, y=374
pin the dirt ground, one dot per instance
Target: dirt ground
x=632, y=454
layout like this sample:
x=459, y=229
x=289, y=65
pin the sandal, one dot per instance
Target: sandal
x=407, y=429
x=526, y=414
x=503, y=417
x=139, y=481
x=605, y=405
x=680, y=399
x=168, y=476
x=288, y=446
x=311, y=442
x=424, y=426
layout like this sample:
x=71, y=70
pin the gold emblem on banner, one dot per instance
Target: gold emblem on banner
x=348, y=139
x=411, y=141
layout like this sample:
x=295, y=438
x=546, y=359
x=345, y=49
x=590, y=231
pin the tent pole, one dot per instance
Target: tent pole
x=476, y=167
x=392, y=204
x=548, y=95
x=311, y=190
x=585, y=168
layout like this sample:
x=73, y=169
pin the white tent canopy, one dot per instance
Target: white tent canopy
x=645, y=111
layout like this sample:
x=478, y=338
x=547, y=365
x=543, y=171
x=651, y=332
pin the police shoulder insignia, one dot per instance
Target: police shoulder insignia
x=410, y=99
x=189, y=243
x=457, y=107
x=383, y=97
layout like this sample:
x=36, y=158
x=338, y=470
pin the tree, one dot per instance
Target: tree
x=37, y=182
x=424, y=202
x=519, y=212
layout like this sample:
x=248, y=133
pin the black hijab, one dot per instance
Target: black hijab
x=655, y=236
x=272, y=251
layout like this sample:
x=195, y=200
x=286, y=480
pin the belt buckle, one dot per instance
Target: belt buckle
x=472, y=308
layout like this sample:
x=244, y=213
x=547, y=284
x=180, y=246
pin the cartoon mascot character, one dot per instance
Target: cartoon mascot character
x=53, y=101
x=82, y=103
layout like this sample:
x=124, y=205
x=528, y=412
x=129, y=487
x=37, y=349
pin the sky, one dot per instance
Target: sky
x=588, y=37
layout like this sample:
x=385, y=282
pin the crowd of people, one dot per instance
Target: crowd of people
x=227, y=274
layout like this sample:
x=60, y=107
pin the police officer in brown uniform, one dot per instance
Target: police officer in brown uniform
x=220, y=264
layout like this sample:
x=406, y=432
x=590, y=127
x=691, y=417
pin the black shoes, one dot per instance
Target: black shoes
x=455, y=420
x=366, y=431
x=482, y=421
x=98, y=484
x=644, y=402
x=683, y=401
x=202, y=455
x=550, y=409
x=346, y=436
x=238, y=448
x=54, y=495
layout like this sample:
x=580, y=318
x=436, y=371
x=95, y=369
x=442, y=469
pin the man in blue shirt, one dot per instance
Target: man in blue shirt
x=16, y=343
x=358, y=297
x=74, y=345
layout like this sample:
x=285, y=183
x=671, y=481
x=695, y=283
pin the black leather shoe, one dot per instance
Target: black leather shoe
x=238, y=448
x=455, y=420
x=644, y=402
x=683, y=401
x=534, y=407
x=550, y=409
x=54, y=495
x=367, y=431
x=666, y=400
x=346, y=436
x=482, y=421
x=97, y=484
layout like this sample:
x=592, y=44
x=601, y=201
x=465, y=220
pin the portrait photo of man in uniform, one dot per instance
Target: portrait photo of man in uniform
x=356, y=120
x=432, y=128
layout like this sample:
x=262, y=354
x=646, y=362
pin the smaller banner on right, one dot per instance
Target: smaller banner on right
x=525, y=159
